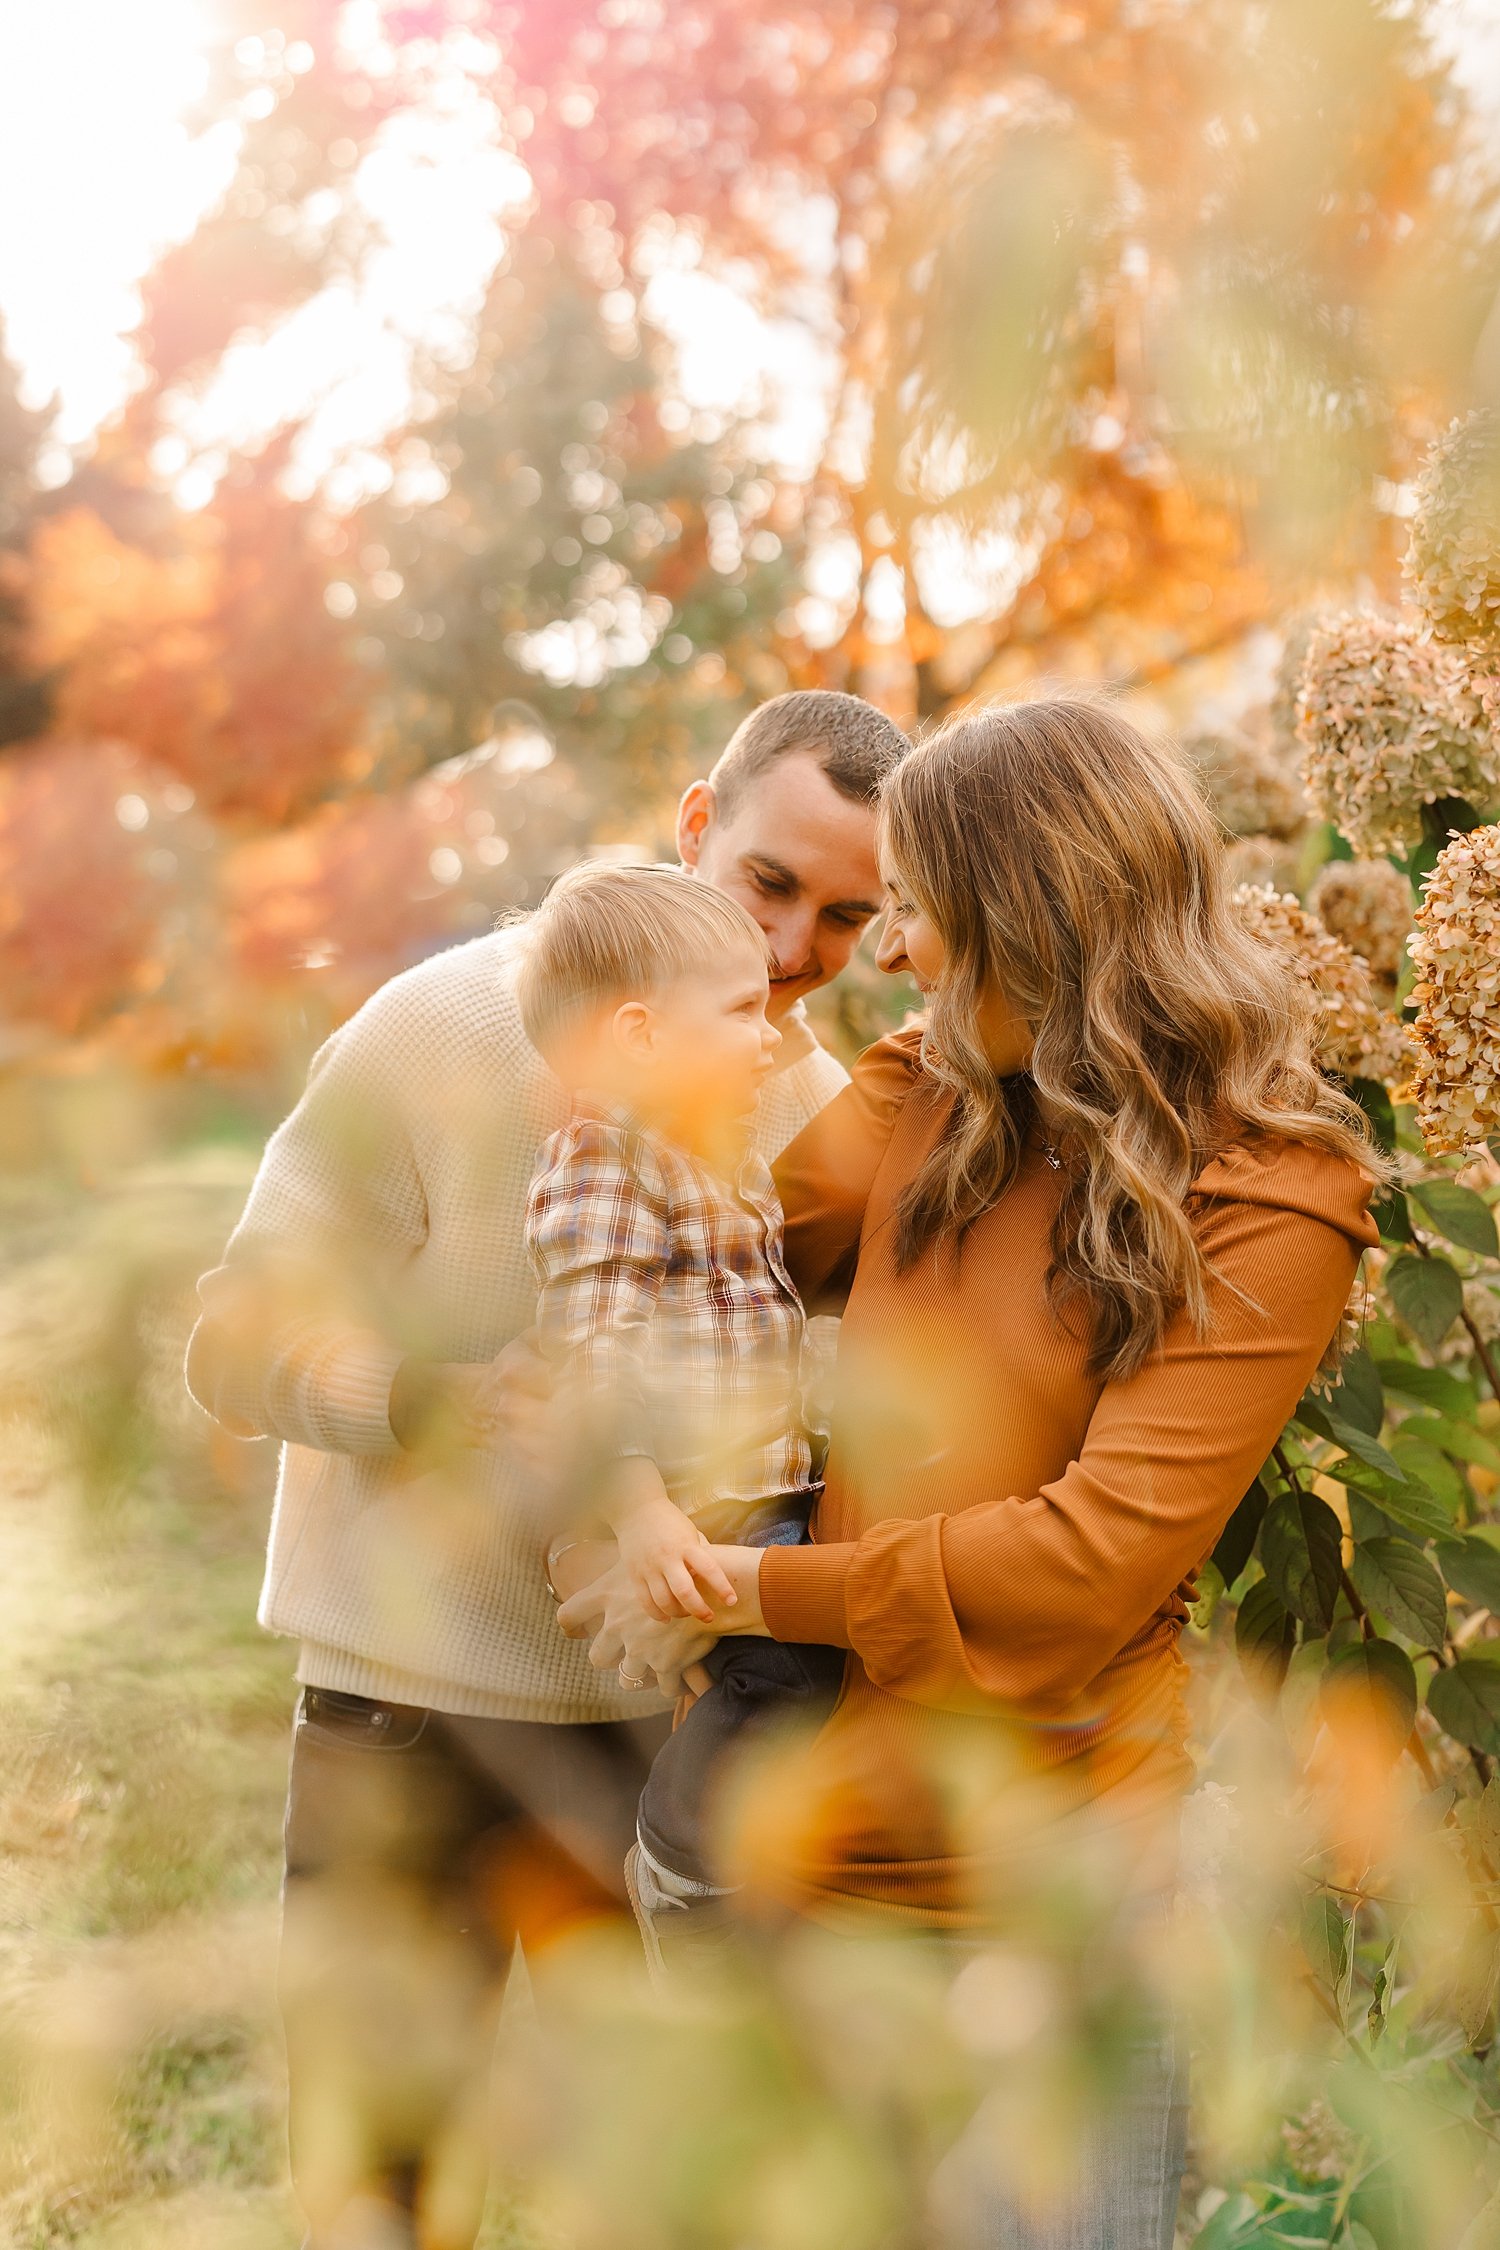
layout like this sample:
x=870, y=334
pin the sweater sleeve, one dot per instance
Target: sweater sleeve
x=825, y=1175
x=1026, y=1598
x=296, y=1337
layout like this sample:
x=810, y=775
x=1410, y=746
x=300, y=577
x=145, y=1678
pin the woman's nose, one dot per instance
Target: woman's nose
x=890, y=952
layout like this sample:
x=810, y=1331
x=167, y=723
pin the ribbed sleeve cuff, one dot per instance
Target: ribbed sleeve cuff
x=802, y=1593
x=332, y=1391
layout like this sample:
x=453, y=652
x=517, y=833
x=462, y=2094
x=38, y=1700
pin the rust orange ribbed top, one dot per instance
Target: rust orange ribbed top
x=1006, y=1543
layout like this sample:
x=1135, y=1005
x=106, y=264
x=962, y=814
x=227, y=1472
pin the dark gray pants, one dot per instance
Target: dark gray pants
x=420, y=1847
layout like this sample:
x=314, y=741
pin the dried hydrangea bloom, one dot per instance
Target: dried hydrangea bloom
x=1453, y=556
x=1390, y=722
x=1367, y=903
x=1253, y=791
x=1356, y=1038
x=1355, y=1318
x=1297, y=631
x=1456, y=954
x=1257, y=859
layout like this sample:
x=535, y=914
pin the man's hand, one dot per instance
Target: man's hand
x=670, y=1562
x=626, y=1631
x=442, y=1407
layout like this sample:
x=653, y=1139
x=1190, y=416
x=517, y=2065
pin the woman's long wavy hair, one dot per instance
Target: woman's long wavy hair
x=1072, y=866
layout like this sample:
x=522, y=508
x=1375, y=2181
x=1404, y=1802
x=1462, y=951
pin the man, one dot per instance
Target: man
x=461, y=1776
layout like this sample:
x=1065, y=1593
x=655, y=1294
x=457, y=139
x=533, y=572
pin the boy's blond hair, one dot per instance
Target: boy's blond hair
x=605, y=934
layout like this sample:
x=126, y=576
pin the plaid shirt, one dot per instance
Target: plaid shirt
x=666, y=1307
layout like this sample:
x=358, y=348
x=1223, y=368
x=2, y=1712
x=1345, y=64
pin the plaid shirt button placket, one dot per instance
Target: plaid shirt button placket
x=667, y=1308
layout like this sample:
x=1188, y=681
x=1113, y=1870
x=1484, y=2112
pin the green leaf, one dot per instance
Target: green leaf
x=1437, y=1387
x=1300, y=1546
x=1227, y=2229
x=1237, y=1539
x=1427, y=1293
x=1410, y=1506
x=1358, y=1398
x=1487, y=1822
x=1459, y=1215
x=1374, y=1100
x=1325, y=1939
x=1313, y=1415
x=1366, y=1521
x=1432, y=1809
x=1424, y=1465
x=1465, y=1701
x=1460, y=1439
x=1210, y=1593
x=1385, y=1673
x=1265, y=1634
x=1375, y=2016
x=1400, y=1584
x=1391, y=1216
x=1471, y=1566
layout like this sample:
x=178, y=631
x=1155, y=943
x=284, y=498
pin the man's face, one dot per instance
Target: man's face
x=800, y=858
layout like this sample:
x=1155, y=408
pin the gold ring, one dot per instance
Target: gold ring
x=629, y=1680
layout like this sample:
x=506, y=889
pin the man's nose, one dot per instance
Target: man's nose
x=791, y=934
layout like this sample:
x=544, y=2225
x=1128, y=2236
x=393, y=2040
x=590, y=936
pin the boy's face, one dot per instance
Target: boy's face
x=698, y=1052
x=799, y=858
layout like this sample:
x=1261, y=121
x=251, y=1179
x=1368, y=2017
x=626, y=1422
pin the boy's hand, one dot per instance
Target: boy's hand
x=670, y=1563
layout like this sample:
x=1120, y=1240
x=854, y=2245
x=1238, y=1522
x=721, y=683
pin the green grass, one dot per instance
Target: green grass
x=143, y=1726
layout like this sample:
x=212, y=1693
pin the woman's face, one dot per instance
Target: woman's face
x=911, y=944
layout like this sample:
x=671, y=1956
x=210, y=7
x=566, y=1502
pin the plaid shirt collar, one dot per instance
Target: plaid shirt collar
x=745, y=1179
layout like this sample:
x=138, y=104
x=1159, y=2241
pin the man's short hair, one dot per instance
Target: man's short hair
x=857, y=746
x=606, y=933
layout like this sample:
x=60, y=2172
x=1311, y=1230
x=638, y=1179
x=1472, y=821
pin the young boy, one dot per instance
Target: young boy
x=666, y=1312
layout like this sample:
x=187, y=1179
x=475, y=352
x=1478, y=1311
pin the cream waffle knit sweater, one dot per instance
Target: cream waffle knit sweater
x=387, y=1218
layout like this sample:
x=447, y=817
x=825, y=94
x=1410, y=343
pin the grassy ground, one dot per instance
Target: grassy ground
x=142, y=1742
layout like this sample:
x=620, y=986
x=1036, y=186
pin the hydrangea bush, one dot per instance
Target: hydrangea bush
x=1358, y=1583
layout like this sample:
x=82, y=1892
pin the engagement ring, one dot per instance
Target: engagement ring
x=629, y=1680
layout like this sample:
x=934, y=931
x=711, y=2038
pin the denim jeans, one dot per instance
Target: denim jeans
x=756, y=1685
x=1126, y=2180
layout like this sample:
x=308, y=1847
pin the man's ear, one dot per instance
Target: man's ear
x=695, y=816
x=633, y=1030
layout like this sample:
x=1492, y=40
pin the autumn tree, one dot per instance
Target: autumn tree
x=1140, y=303
x=25, y=700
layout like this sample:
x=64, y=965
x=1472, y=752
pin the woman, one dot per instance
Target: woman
x=1095, y=1227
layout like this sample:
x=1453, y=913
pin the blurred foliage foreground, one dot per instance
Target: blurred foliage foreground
x=1139, y=325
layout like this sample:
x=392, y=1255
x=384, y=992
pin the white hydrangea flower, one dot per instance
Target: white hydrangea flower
x=1356, y=1037
x=1453, y=555
x=1253, y=791
x=1367, y=903
x=1456, y=954
x=1390, y=722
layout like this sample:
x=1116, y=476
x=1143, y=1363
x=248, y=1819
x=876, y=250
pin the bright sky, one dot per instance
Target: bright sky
x=99, y=174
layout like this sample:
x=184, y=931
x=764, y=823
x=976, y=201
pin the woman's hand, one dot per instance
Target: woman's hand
x=625, y=1631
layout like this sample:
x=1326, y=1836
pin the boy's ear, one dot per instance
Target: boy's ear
x=633, y=1030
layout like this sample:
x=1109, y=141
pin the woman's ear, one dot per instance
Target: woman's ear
x=633, y=1030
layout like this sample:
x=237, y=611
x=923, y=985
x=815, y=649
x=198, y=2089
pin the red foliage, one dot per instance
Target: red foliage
x=217, y=659
x=80, y=904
